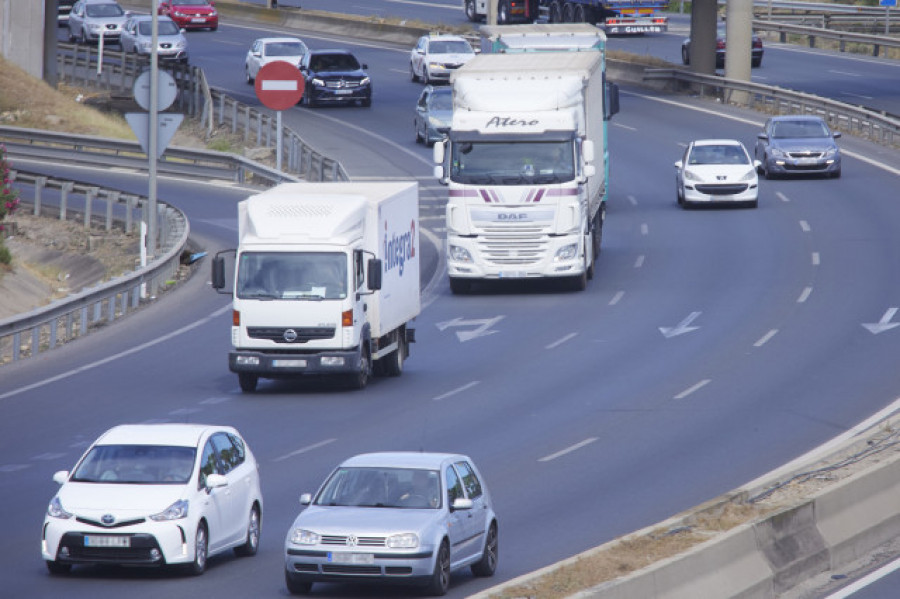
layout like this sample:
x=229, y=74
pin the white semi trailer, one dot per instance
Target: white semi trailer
x=326, y=281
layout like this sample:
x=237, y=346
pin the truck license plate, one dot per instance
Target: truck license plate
x=289, y=363
x=351, y=558
x=106, y=541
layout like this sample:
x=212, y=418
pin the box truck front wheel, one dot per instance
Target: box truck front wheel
x=361, y=378
x=393, y=362
x=247, y=381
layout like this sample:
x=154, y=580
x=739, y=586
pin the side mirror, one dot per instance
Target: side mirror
x=589, y=170
x=61, y=477
x=836, y=134
x=373, y=274
x=365, y=66
x=587, y=150
x=215, y=481
x=757, y=164
x=439, y=174
x=762, y=136
x=305, y=499
x=679, y=164
x=218, y=273
x=437, y=152
x=461, y=504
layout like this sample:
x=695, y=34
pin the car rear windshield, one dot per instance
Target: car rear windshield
x=136, y=464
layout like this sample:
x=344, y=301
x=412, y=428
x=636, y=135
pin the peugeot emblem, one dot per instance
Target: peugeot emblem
x=352, y=541
x=108, y=519
x=290, y=335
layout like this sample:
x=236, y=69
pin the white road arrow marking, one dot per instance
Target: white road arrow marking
x=884, y=324
x=683, y=327
x=483, y=327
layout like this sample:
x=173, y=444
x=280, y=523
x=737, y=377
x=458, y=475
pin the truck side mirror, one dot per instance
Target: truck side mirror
x=587, y=150
x=218, y=273
x=438, y=152
x=612, y=100
x=373, y=274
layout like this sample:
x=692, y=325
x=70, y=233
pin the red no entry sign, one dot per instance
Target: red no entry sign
x=279, y=85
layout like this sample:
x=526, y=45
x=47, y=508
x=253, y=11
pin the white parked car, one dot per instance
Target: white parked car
x=434, y=57
x=716, y=171
x=155, y=495
x=395, y=518
x=269, y=49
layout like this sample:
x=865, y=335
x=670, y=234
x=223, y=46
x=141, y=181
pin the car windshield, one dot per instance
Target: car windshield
x=292, y=276
x=450, y=47
x=334, y=62
x=163, y=28
x=441, y=101
x=189, y=2
x=136, y=464
x=411, y=488
x=799, y=129
x=512, y=163
x=718, y=154
x=103, y=10
x=285, y=49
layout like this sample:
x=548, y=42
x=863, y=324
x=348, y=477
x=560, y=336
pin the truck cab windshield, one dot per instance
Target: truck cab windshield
x=512, y=163
x=290, y=276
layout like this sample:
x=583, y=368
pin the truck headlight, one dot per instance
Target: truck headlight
x=567, y=252
x=458, y=254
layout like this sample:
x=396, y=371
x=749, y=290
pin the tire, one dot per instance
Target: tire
x=579, y=282
x=251, y=545
x=555, y=13
x=393, y=362
x=440, y=579
x=470, y=11
x=365, y=103
x=756, y=63
x=250, y=79
x=247, y=382
x=836, y=174
x=360, y=379
x=460, y=286
x=419, y=138
x=568, y=12
x=425, y=78
x=578, y=14
x=57, y=568
x=412, y=73
x=83, y=37
x=753, y=204
x=487, y=565
x=71, y=37
x=201, y=551
x=296, y=587
x=503, y=13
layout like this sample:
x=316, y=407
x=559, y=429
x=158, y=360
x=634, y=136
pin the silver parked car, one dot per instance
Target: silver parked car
x=397, y=518
x=91, y=19
x=137, y=37
x=796, y=145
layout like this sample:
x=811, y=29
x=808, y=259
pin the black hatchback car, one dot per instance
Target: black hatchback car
x=335, y=77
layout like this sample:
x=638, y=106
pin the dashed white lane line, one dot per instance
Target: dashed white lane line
x=815, y=259
x=693, y=388
x=782, y=197
x=302, y=450
x=455, y=391
x=804, y=295
x=559, y=342
x=569, y=449
x=639, y=262
x=616, y=298
x=645, y=228
x=804, y=226
x=765, y=338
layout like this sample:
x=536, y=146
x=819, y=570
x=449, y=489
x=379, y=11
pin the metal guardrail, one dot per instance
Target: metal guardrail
x=27, y=335
x=861, y=122
x=842, y=37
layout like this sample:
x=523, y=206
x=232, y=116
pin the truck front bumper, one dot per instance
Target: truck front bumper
x=277, y=365
x=468, y=258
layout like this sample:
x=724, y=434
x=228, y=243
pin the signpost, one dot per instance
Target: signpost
x=887, y=4
x=279, y=86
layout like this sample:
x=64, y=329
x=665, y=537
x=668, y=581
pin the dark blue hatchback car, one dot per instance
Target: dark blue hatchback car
x=335, y=77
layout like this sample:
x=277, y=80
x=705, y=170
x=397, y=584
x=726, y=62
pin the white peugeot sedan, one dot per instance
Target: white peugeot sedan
x=269, y=49
x=155, y=495
x=716, y=171
x=396, y=518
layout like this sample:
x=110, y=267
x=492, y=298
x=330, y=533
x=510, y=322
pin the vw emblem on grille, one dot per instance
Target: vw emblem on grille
x=721, y=177
x=108, y=519
x=290, y=335
x=352, y=541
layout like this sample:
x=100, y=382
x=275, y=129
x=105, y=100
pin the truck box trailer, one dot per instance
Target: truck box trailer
x=326, y=281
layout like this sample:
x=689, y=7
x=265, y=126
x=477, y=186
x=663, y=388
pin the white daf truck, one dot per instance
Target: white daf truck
x=526, y=165
x=326, y=281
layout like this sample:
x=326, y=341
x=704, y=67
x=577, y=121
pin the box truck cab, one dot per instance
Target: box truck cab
x=326, y=281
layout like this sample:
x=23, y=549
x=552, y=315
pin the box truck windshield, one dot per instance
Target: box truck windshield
x=292, y=276
x=513, y=162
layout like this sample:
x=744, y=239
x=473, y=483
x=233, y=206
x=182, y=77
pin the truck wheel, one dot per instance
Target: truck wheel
x=568, y=12
x=503, y=13
x=555, y=13
x=470, y=11
x=361, y=378
x=247, y=382
x=578, y=14
x=393, y=362
x=459, y=286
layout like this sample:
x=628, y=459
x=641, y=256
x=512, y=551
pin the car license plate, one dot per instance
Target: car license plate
x=351, y=558
x=198, y=20
x=806, y=161
x=289, y=363
x=343, y=92
x=106, y=541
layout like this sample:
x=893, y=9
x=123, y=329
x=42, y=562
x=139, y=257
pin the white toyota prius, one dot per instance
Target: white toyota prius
x=155, y=495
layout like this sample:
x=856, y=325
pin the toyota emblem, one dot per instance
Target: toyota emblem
x=108, y=519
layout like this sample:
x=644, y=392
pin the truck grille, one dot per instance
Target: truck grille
x=290, y=334
x=509, y=251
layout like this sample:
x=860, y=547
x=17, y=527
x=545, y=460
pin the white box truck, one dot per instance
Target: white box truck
x=326, y=281
x=526, y=164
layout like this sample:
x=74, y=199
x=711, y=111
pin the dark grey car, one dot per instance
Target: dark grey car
x=796, y=145
x=434, y=109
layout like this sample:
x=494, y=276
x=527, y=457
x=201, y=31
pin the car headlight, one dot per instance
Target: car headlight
x=436, y=66
x=831, y=152
x=458, y=254
x=317, y=82
x=407, y=540
x=213, y=13
x=567, y=252
x=364, y=81
x=300, y=536
x=176, y=511
x=691, y=176
x=750, y=176
x=776, y=153
x=56, y=510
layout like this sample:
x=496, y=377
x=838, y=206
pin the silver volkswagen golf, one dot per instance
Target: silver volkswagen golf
x=397, y=518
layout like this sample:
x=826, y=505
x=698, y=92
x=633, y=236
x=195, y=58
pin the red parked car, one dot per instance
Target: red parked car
x=191, y=14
